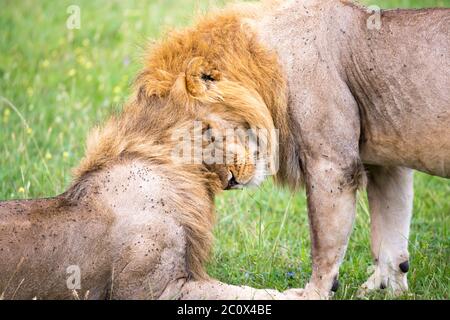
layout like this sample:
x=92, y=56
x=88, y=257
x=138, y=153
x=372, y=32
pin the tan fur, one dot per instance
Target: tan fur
x=342, y=95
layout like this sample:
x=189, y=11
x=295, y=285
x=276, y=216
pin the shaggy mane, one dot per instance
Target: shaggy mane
x=230, y=50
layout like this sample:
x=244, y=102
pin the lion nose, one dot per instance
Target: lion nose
x=232, y=182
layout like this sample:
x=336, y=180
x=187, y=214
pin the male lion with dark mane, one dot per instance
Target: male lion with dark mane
x=348, y=97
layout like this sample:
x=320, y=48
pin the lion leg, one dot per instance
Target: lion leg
x=184, y=289
x=331, y=197
x=390, y=193
x=145, y=273
x=151, y=255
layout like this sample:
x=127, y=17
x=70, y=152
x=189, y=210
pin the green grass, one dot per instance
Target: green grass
x=56, y=83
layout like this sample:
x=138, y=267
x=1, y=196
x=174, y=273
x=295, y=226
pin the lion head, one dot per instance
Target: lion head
x=218, y=73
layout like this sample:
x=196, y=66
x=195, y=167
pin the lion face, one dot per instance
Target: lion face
x=220, y=76
x=236, y=162
x=236, y=126
x=242, y=174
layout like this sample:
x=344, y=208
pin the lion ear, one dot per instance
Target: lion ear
x=200, y=77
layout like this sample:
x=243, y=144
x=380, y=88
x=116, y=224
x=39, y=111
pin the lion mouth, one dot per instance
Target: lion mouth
x=233, y=183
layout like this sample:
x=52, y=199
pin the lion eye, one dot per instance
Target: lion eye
x=207, y=77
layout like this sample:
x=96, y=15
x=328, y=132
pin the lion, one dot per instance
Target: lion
x=356, y=104
x=348, y=101
x=136, y=223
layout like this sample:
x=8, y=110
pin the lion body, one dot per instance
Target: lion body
x=46, y=248
x=362, y=100
x=347, y=100
x=388, y=86
x=122, y=234
x=118, y=233
x=134, y=224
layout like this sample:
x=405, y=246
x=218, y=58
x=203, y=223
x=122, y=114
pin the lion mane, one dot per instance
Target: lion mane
x=217, y=62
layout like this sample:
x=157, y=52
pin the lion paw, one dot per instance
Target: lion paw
x=388, y=278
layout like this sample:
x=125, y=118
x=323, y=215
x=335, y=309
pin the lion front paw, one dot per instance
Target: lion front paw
x=394, y=281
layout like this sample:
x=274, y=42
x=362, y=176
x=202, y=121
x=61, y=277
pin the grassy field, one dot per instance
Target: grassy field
x=56, y=83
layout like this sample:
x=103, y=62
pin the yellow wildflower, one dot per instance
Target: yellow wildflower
x=117, y=90
x=30, y=91
x=21, y=190
x=81, y=60
x=45, y=63
x=72, y=72
x=6, y=114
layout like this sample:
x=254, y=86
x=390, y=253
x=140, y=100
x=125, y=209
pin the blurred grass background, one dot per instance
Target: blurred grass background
x=56, y=83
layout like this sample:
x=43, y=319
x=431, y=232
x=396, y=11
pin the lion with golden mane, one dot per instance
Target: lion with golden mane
x=136, y=223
